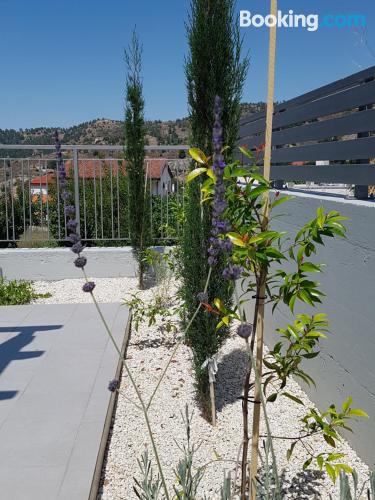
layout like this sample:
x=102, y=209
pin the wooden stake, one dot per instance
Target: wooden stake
x=213, y=404
x=253, y=468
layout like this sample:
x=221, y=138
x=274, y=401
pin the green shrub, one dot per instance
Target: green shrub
x=15, y=293
x=214, y=67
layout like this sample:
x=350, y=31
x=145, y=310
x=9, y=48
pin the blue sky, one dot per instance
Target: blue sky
x=62, y=61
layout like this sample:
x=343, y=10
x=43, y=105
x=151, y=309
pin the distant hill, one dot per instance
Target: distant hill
x=109, y=132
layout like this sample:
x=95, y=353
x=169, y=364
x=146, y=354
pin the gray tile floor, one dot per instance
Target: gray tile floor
x=55, y=365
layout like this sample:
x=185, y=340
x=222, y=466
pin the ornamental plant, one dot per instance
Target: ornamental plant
x=274, y=270
x=213, y=66
x=135, y=154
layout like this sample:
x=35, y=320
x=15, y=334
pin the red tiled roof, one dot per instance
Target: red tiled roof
x=90, y=169
x=43, y=179
x=155, y=167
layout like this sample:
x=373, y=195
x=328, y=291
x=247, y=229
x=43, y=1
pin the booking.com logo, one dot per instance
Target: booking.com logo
x=311, y=22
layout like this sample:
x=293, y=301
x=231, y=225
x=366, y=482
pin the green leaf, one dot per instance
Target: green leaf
x=195, y=173
x=307, y=464
x=329, y=440
x=219, y=304
x=335, y=456
x=357, y=412
x=292, y=303
x=281, y=200
x=198, y=155
x=346, y=468
x=290, y=451
x=272, y=398
x=309, y=267
x=240, y=172
x=331, y=472
x=258, y=177
x=211, y=174
x=293, y=398
x=254, y=193
x=319, y=461
x=320, y=216
x=246, y=152
x=347, y=403
x=305, y=297
x=236, y=239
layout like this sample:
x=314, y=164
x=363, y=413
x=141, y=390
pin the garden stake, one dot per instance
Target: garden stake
x=211, y=365
x=262, y=285
x=213, y=406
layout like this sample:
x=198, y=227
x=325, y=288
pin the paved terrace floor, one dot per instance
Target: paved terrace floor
x=55, y=365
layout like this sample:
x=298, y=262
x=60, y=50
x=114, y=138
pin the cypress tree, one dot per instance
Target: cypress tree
x=213, y=67
x=135, y=153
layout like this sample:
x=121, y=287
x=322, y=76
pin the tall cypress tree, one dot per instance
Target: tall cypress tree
x=213, y=67
x=135, y=152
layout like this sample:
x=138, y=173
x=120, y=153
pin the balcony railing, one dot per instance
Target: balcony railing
x=32, y=209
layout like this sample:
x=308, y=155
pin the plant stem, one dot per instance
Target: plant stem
x=143, y=406
x=245, y=402
x=179, y=342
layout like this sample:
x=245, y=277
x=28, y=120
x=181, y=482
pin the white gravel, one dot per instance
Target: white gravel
x=148, y=352
x=70, y=291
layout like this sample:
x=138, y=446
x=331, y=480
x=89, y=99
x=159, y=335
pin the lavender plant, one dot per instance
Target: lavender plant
x=241, y=207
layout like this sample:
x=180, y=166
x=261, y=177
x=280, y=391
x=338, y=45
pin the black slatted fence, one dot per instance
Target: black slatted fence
x=325, y=136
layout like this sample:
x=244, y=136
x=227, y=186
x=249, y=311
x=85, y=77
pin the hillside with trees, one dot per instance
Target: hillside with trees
x=105, y=131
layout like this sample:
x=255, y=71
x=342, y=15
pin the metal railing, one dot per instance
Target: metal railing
x=32, y=208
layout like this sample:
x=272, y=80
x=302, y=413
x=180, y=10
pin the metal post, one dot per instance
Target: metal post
x=76, y=187
x=361, y=191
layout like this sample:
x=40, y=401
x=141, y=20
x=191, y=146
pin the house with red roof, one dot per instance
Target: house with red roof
x=157, y=170
x=160, y=174
x=39, y=186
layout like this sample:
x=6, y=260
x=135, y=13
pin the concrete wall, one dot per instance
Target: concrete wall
x=50, y=264
x=347, y=362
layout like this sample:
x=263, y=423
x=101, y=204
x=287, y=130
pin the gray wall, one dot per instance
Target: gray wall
x=347, y=362
x=49, y=264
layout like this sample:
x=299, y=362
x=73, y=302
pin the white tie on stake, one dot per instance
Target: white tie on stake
x=211, y=365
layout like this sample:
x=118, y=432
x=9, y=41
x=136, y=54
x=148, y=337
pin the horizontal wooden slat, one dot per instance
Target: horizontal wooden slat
x=325, y=90
x=360, y=174
x=356, y=149
x=359, y=122
x=350, y=99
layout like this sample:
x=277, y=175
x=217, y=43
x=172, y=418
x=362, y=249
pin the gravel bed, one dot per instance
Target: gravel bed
x=149, y=349
x=70, y=290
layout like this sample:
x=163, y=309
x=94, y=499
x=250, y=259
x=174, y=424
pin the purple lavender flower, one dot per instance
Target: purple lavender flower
x=244, y=330
x=232, y=272
x=65, y=195
x=70, y=210
x=72, y=225
x=77, y=247
x=88, y=287
x=202, y=297
x=113, y=385
x=74, y=238
x=220, y=226
x=80, y=262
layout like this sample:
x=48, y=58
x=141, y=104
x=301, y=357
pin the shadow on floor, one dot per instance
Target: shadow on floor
x=4, y=395
x=305, y=485
x=230, y=376
x=11, y=349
